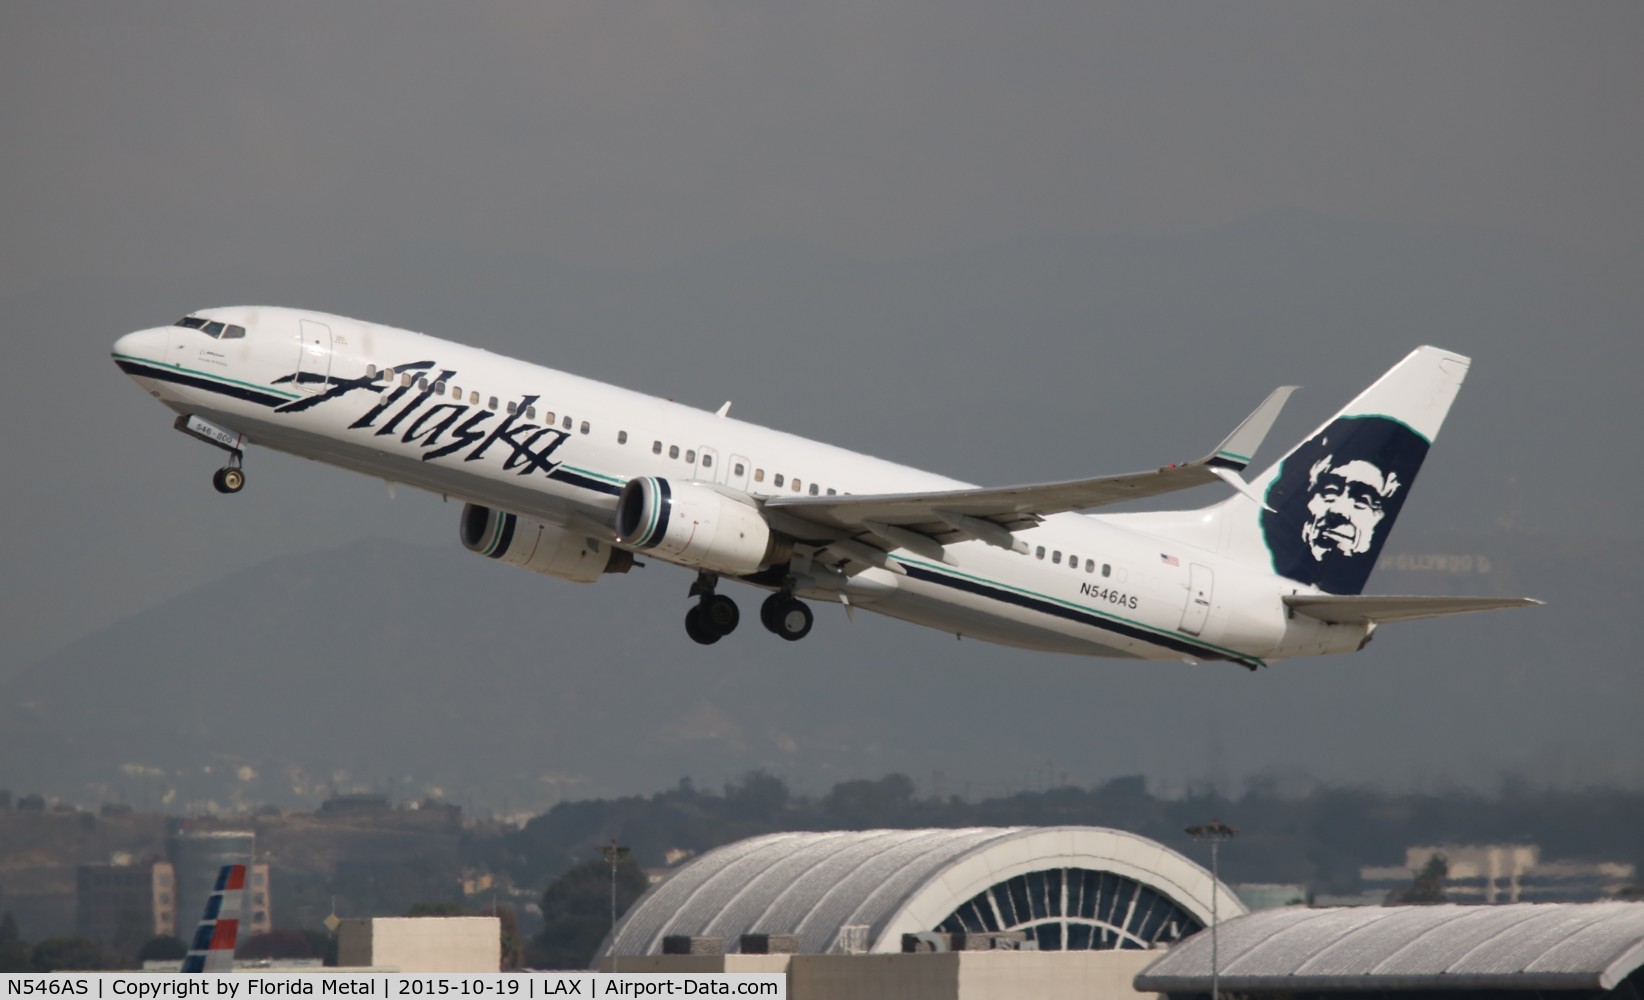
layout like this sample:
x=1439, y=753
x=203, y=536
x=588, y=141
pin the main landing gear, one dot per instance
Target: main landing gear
x=715, y=616
x=786, y=615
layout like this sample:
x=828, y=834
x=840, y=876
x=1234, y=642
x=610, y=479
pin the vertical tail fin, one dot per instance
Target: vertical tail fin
x=1332, y=501
x=1320, y=515
x=212, y=949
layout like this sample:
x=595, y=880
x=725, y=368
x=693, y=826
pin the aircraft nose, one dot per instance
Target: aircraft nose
x=142, y=345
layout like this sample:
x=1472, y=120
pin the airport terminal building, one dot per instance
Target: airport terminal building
x=860, y=892
x=1088, y=912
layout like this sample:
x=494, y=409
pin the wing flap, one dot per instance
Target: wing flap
x=1364, y=609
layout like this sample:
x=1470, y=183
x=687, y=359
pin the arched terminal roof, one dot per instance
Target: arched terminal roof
x=1523, y=946
x=890, y=882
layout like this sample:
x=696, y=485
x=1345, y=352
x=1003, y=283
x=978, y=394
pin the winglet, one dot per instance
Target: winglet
x=1235, y=452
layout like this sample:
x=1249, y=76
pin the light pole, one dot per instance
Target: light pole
x=1214, y=833
x=613, y=856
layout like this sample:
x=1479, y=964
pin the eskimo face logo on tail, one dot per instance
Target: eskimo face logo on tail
x=1335, y=500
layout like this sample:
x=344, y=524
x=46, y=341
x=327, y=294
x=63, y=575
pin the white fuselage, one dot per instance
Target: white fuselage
x=517, y=437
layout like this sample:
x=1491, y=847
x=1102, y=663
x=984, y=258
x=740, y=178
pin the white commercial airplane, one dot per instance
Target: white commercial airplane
x=573, y=478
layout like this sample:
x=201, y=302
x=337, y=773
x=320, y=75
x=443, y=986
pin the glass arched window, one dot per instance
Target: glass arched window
x=1075, y=909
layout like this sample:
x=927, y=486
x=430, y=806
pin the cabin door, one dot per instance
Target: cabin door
x=1199, y=584
x=313, y=355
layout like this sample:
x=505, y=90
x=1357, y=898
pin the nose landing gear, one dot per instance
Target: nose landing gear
x=230, y=478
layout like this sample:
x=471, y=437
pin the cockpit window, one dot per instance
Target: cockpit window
x=211, y=327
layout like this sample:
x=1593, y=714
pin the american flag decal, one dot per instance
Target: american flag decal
x=1169, y=560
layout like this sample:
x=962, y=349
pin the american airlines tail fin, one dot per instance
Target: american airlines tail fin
x=1321, y=514
x=212, y=949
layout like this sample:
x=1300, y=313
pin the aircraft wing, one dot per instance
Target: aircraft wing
x=1364, y=609
x=907, y=520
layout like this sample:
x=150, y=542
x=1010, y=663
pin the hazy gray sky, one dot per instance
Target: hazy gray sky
x=164, y=135
x=1116, y=224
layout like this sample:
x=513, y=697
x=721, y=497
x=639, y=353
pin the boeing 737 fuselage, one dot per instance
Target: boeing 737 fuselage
x=574, y=478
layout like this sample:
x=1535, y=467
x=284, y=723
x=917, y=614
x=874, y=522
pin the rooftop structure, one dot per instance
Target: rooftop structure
x=1549, y=947
x=1066, y=888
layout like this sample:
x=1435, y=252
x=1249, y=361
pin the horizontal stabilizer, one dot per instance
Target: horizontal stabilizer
x=1362, y=609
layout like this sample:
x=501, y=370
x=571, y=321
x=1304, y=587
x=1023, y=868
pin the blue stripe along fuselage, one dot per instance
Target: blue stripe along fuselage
x=1021, y=600
x=141, y=370
x=585, y=482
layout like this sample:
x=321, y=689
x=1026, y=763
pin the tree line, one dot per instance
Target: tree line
x=1316, y=836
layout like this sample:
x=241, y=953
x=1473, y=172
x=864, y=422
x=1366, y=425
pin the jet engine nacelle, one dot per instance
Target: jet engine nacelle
x=693, y=524
x=539, y=547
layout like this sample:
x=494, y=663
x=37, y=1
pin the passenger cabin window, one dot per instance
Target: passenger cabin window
x=566, y=423
x=740, y=469
x=1056, y=557
x=1090, y=565
x=405, y=380
x=530, y=413
x=796, y=486
x=656, y=447
x=439, y=388
x=777, y=479
x=492, y=404
x=456, y=393
x=673, y=451
x=813, y=489
x=388, y=374
x=511, y=406
x=759, y=475
x=422, y=384
x=690, y=456
x=707, y=461
x=1107, y=570
x=622, y=437
x=548, y=418
x=473, y=397
x=1040, y=554
x=370, y=371
x=585, y=428
x=831, y=492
